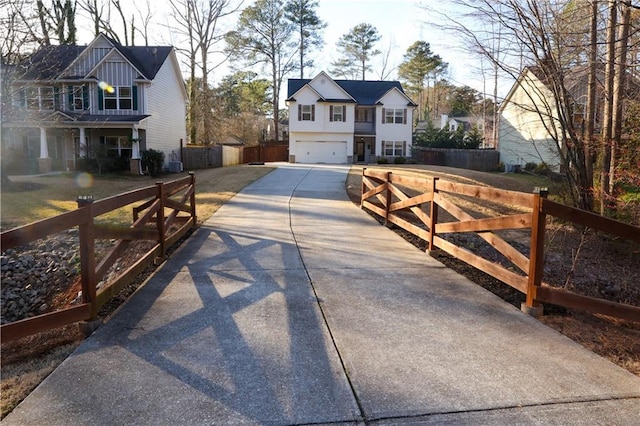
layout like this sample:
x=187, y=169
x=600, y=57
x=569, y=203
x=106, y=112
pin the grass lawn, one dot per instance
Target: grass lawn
x=34, y=198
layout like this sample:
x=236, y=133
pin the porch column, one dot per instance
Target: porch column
x=135, y=165
x=44, y=162
x=135, y=145
x=83, y=144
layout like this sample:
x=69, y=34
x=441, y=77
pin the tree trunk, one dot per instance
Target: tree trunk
x=619, y=88
x=590, y=113
x=605, y=149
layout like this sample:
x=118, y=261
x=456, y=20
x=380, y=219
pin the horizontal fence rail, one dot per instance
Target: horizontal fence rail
x=150, y=221
x=415, y=204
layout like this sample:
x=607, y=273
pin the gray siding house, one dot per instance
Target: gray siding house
x=68, y=103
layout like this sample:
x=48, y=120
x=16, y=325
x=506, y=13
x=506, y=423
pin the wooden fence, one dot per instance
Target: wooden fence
x=269, y=153
x=394, y=198
x=485, y=160
x=158, y=218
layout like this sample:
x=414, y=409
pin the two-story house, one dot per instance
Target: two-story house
x=65, y=103
x=348, y=121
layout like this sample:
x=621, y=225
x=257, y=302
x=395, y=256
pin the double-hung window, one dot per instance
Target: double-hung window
x=394, y=148
x=40, y=98
x=338, y=113
x=120, y=98
x=306, y=112
x=77, y=98
x=394, y=116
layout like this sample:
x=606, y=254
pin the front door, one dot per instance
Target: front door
x=360, y=144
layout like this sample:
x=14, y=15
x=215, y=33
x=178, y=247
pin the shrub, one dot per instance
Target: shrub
x=153, y=160
x=500, y=167
x=543, y=169
x=382, y=160
x=530, y=167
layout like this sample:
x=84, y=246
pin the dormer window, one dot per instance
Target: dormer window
x=306, y=112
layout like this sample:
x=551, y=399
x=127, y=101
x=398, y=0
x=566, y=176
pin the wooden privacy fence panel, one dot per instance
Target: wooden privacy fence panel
x=158, y=219
x=418, y=204
x=269, y=153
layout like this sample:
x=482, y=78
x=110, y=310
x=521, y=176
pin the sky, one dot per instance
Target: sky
x=399, y=22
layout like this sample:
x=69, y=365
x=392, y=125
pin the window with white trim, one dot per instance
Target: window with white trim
x=77, y=98
x=394, y=148
x=40, y=98
x=118, y=146
x=337, y=113
x=395, y=115
x=306, y=112
x=120, y=98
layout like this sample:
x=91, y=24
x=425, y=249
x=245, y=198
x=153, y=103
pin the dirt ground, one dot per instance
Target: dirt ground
x=579, y=261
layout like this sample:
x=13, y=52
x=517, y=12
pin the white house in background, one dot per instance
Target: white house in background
x=528, y=129
x=348, y=121
x=70, y=102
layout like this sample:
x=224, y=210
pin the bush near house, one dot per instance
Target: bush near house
x=153, y=160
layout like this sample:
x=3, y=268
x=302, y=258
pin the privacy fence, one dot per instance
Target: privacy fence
x=161, y=214
x=417, y=204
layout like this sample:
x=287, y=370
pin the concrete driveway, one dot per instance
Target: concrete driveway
x=292, y=306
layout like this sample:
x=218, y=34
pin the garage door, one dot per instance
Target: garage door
x=321, y=152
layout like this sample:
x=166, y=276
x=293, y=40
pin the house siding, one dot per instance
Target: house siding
x=524, y=134
x=167, y=106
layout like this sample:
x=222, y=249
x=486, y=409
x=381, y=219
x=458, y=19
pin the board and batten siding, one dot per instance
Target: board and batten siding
x=166, y=101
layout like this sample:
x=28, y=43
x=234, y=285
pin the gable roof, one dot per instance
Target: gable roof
x=48, y=62
x=365, y=92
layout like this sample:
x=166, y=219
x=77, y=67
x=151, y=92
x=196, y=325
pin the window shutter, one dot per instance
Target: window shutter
x=56, y=97
x=331, y=113
x=85, y=97
x=100, y=99
x=299, y=112
x=134, y=94
x=404, y=121
x=313, y=113
x=69, y=98
x=23, y=98
x=383, y=114
x=404, y=148
x=344, y=113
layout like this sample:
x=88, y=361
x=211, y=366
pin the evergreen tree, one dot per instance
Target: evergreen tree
x=309, y=26
x=419, y=62
x=265, y=36
x=357, y=46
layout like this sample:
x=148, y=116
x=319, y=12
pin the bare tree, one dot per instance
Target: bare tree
x=199, y=20
x=146, y=15
x=532, y=34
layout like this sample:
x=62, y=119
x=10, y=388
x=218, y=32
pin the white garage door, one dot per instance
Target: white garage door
x=321, y=152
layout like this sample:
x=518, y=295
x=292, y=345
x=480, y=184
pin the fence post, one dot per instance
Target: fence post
x=536, y=254
x=87, y=255
x=192, y=200
x=160, y=219
x=387, y=203
x=363, y=187
x=433, y=215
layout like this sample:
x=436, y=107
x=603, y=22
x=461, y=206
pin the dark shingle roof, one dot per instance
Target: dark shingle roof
x=49, y=62
x=365, y=92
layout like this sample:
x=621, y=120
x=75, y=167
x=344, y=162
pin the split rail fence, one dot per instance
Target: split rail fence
x=394, y=198
x=160, y=217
